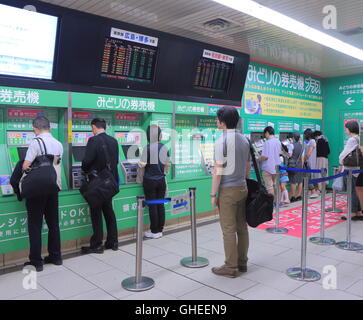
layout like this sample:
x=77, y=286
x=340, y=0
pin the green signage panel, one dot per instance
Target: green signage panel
x=131, y=104
x=33, y=97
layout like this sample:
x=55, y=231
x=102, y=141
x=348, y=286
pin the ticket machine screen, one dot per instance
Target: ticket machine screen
x=78, y=153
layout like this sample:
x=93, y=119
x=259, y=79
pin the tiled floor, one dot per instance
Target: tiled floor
x=98, y=277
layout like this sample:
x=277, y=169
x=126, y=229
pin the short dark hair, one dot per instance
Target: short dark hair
x=229, y=116
x=352, y=126
x=317, y=133
x=290, y=135
x=308, y=134
x=270, y=130
x=153, y=133
x=99, y=123
x=41, y=123
x=296, y=136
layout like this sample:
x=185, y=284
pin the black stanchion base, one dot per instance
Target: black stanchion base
x=199, y=262
x=303, y=274
x=351, y=246
x=277, y=230
x=322, y=241
x=333, y=211
x=131, y=285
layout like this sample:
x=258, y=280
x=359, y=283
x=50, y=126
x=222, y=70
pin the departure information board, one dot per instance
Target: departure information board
x=125, y=60
x=213, y=75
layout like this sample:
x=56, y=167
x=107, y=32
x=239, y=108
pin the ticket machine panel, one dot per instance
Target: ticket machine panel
x=79, y=142
x=129, y=143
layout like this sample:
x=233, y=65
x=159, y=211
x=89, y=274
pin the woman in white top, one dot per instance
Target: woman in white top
x=309, y=157
x=352, y=129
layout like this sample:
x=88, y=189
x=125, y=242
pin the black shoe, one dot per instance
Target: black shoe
x=38, y=267
x=242, y=268
x=88, y=250
x=343, y=218
x=293, y=199
x=114, y=246
x=298, y=199
x=57, y=262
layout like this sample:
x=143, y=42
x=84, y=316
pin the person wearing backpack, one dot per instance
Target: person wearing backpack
x=101, y=150
x=46, y=204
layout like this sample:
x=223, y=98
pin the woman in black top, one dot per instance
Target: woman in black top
x=155, y=159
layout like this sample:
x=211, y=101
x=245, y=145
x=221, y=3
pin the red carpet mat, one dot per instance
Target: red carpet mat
x=291, y=218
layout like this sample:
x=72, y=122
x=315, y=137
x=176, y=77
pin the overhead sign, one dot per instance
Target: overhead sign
x=134, y=37
x=218, y=56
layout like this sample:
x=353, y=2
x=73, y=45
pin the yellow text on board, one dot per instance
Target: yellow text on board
x=273, y=105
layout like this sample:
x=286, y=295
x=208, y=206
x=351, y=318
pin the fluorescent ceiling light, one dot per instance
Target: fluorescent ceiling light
x=280, y=20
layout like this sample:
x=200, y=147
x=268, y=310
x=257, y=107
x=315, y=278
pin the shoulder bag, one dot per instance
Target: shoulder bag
x=292, y=162
x=98, y=187
x=41, y=174
x=355, y=158
x=259, y=203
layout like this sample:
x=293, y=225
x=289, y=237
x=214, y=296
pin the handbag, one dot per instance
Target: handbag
x=41, y=178
x=98, y=187
x=354, y=159
x=339, y=184
x=259, y=203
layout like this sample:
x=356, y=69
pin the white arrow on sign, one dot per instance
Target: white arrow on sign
x=349, y=101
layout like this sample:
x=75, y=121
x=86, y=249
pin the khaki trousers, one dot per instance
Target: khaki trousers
x=232, y=214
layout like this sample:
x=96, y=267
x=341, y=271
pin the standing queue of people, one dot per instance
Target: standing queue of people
x=228, y=192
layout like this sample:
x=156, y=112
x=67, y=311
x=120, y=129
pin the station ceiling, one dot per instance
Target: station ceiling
x=208, y=21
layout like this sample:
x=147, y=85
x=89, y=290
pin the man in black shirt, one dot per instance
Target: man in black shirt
x=95, y=160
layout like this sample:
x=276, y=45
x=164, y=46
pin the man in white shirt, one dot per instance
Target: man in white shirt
x=46, y=205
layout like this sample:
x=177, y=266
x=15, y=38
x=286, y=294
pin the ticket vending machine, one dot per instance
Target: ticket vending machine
x=17, y=145
x=129, y=148
x=257, y=140
x=79, y=142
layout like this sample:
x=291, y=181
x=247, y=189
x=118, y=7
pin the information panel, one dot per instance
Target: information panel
x=125, y=60
x=213, y=75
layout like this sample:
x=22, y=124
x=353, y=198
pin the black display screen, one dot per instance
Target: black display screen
x=22, y=152
x=78, y=153
x=125, y=60
x=134, y=152
x=213, y=75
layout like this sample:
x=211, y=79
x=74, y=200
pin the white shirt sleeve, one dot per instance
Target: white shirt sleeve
x=348, y=148
x=33, y=151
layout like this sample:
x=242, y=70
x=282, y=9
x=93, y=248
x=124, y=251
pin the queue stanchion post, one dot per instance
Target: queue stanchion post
x=334, y=197
x=139, y=283
x=348, y=244
x=302, y=273
x=322, y=240
x=194, y=261
x=277, y=229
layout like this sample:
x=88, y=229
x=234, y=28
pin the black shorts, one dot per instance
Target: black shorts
x=360, y=180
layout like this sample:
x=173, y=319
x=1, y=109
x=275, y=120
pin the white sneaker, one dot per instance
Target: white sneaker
x=153, y=235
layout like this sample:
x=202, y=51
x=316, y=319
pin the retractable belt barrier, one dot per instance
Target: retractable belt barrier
x=348, y=244
x=157, y=201
x=300, y=170
x=194, y=261
x=277, y=229
x=139, y=283
x=322, y=240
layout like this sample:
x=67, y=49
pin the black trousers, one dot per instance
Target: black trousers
x=97, y=224
x=155, y=189
x=46, y=206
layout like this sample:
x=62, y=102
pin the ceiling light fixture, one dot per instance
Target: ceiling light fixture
x=280, y=20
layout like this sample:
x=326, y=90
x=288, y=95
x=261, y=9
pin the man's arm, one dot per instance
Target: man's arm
x=31, y=154
x=89, y=155
x=216, y=181
x=248, y=169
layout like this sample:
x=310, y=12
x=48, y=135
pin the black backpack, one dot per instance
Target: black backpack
x=41, y=178
x=259, y=203
x=98, y=187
